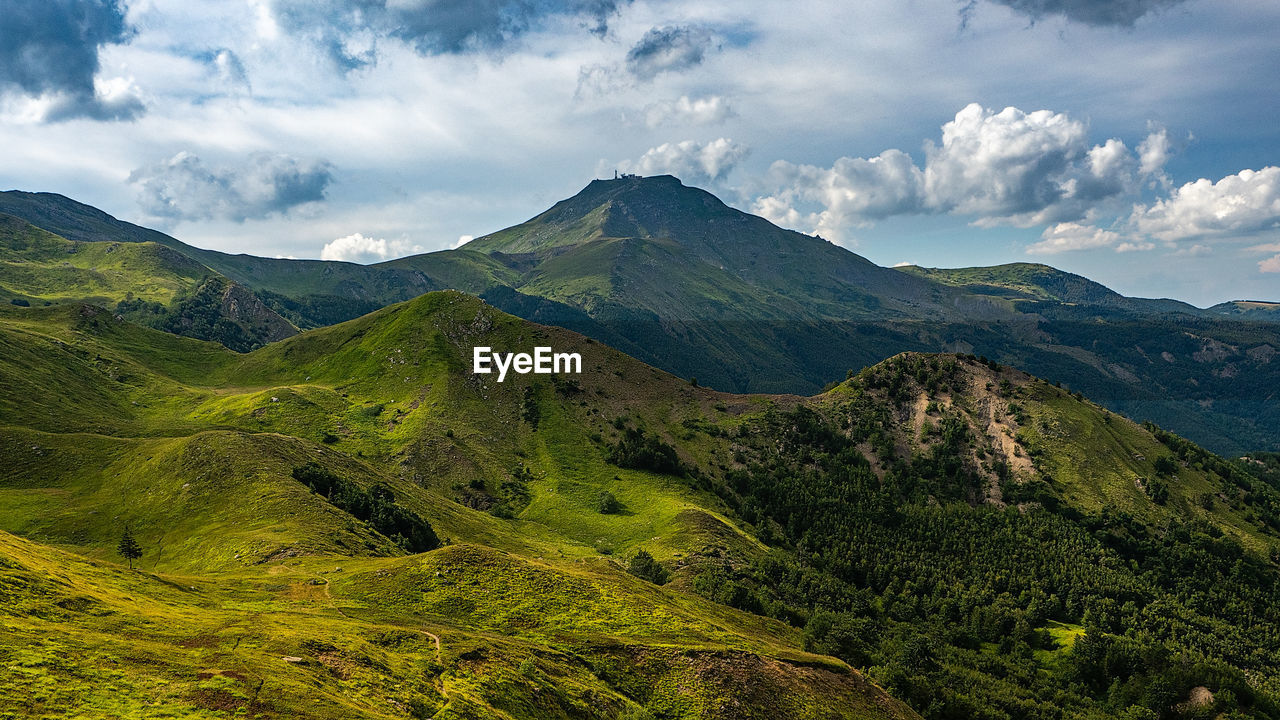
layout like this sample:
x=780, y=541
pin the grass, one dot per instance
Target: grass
x=192, y=446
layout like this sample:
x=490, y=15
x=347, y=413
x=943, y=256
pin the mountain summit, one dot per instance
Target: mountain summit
x=751, y=260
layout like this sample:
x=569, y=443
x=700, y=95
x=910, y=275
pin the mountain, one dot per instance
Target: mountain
x=674, y=277
x=149, y=282
x=1035, y=283
x=935, y=536
x=1257, y=309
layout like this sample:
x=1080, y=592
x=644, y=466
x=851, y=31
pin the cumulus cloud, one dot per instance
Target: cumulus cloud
x=1068, y=236
x=184, y=188
x=1007, y=167
x=850, y=192
x=1270, y=265
x=1021, y=168
x=360, y=249
x=710, y=110
x=49, y=50
x=1098, y=13
x=1243, y=203
x=694, y=162
x=347, y=31
x=1154, y=152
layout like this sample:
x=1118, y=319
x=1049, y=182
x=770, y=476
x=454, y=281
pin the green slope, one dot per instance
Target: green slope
x=146, y=282
x=935, y=522
x=192, y=446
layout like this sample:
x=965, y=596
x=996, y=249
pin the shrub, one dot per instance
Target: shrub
x=607, y=504
x=645, y=567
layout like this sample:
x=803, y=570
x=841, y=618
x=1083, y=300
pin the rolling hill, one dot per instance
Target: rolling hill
x=674, y=277
x=620, y=543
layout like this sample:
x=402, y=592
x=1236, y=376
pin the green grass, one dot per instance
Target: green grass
x=192, y=446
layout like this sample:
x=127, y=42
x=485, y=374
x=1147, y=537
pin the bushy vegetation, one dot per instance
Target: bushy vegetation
x=376, y=506
x=197, y=314
x=643, y=566
x=639, y=450
x=951, y=602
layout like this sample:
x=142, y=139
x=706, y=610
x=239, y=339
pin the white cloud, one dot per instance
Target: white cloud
x=710, y=110
x=360, y=249
x=462, y=240
x=1008, y=167
x=1154, y=152
x=850, y=192
x=1005, y=167
x=1270, y=265
x=1194, y=251
x=1243, y=203
x=691, y=161
x=1068, y=236
x=1135, y=246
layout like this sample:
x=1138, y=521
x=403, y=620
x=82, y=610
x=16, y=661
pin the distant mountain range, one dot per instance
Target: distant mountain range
x=673, y=276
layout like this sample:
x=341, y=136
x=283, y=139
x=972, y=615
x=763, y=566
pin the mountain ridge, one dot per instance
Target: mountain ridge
x=776, y=311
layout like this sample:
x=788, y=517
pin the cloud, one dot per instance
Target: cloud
x=1008, y=167
x=1020, y=168
x=1154, y=152
x=360, y=249
x=184, y=188
x=228, y=69
x=1098, y=13
x=710, y=110
x=347, y=31
x=1069, y=236
x=1270, y=265
x=1240, y=204
x=695, y=163
x=1196, y=250
x=667, y=49
x=462, y=240
x=851, y=192
x=661, y=50
x=49, y=50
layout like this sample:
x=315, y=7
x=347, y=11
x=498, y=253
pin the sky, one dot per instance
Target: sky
x=1134, y=142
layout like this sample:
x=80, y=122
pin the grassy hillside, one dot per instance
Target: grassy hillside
x=193, y=448
x=978, y=542
x=146, y=282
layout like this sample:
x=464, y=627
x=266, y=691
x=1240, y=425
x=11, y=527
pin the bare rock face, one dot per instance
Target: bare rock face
x=240, y=305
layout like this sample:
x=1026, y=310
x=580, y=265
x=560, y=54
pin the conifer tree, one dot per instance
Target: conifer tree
x=129, y=548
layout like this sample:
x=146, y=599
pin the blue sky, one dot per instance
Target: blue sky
x=1134, y=142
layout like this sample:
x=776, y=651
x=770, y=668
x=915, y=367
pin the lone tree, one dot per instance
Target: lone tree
x=129, y=548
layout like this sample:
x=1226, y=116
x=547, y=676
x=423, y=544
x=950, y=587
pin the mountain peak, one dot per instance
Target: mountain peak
x=630, y=206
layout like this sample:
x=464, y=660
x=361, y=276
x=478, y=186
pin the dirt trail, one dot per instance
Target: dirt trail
x=332, y=604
